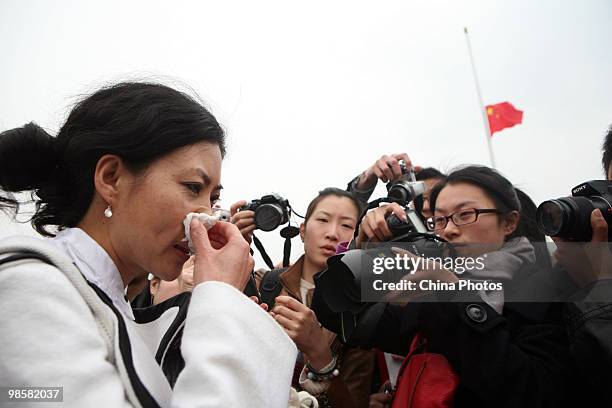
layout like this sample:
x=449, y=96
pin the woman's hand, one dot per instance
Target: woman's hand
x=374, y=226
x=302, y=326
x=382, y=399
x=221, y=255
x=244, y=220
x=386, y=169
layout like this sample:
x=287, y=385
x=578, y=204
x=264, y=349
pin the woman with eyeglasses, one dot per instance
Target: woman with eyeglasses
x=505, y=354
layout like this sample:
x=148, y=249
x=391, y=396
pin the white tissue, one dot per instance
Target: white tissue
x=207, y=220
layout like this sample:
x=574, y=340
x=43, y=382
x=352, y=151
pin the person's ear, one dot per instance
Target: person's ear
x=511, y=222
x=107, y=175
x=154, y=287
x=302, y=230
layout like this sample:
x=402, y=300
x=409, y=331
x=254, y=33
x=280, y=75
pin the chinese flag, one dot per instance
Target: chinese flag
x=503, y=115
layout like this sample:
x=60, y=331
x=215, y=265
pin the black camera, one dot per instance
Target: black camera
x=405, y=189
x=570, y=217
x=338, y=297
x=271, y=211
x=413, y=235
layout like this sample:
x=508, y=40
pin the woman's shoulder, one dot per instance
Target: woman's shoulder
x=31, y=268
x=38, y=282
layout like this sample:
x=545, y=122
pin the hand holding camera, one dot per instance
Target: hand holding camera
x=269, y=212
x=387, y=169
x=579, y=226
x=374, y=226
x=244, y=220
x=590, y=262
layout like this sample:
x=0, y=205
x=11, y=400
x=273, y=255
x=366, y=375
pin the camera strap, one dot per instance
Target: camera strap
x=263, y=252
x=271, y=286
x=288, y=233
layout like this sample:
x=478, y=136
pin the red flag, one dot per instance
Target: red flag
x=503, y=115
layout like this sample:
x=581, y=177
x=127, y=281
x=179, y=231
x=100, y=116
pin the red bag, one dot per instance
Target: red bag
x=425, y=380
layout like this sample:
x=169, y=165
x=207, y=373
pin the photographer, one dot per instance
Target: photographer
x=590, y=312
x=330, y=219
x=387, y=169
x=504, y=354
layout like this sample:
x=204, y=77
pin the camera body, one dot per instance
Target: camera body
x=570, y=217
x=405, y=189
x=415, y=237
x=271, y=211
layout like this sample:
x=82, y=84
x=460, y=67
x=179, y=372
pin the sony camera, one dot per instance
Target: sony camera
x=570, y=217
x=271, y=211
x=405, y=189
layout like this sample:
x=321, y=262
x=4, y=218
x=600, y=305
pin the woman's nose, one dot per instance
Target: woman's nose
x=204, y=209
x=332, y=232
x=450, y=231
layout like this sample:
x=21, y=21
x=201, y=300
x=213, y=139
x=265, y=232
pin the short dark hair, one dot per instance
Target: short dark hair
x=496, y=186
x=332, y=191
x=137, y=121
x=607, y=151
x=429, y=173
x=426, y=173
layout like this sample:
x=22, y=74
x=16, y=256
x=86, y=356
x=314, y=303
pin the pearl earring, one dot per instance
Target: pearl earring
x=108, y=212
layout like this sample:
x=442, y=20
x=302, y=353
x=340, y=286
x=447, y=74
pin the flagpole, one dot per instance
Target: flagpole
x=483, y=111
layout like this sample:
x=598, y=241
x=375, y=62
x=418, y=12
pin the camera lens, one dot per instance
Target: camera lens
x=399, y=191
x=551, y=216
x=570, y=217
x=268, y=217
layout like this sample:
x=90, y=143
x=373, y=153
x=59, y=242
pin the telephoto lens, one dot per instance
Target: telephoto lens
x=570, y=217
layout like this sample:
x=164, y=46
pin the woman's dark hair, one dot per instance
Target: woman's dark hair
x=606, y=150
x=137, y=121
x=496, y=186
x=332, y=191
x=528, y=228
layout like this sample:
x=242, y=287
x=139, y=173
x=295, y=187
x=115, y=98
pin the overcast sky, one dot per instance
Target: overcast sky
x=311, y=93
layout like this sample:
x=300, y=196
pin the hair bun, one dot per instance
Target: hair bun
x=28, y=158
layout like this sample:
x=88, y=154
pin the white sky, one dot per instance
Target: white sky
x=311, y=93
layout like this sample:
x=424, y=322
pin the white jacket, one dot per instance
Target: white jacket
x=56, y=330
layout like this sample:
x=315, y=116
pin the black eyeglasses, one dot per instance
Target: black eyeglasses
x=459, y=218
